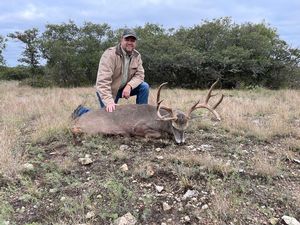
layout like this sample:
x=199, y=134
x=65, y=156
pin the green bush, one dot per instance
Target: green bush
x=14, y=73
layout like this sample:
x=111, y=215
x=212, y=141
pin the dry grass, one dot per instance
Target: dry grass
x=206, y=161
x=265, y=166
x=37, y=114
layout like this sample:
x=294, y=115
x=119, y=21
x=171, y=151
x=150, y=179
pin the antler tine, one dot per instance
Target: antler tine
x=218, y=103
x=205, y=104
x=165, y=118
x=158, y=92
x=209, y=95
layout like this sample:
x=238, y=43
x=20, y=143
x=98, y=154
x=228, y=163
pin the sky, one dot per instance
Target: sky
x=20, y=15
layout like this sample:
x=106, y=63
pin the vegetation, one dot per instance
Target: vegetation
x=238, y=166
x=243, y=55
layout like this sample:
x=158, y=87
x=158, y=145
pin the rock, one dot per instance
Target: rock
x=163, y=223
x=99, y=196
x=127, y=219
x=160, y=157
x=187, y=219
x=124, y=147
x=28, y=167
x=206, y=147
x=204, y=207
x=124, y=168
x=86, y=160
x=166, y=206
x=53, y=190
x=290, y=220
x=150, y=171
x=158, y=149
x=273, y=220
x=159, y=188
x=190, y=194
x=62, y=198
x=90, y=215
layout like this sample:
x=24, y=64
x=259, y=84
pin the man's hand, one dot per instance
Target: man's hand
x=110, y=107
x=126, y=91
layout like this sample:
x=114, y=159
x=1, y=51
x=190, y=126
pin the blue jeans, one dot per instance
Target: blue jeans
x=141, y=92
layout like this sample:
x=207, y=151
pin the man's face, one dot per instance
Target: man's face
x=128, y=44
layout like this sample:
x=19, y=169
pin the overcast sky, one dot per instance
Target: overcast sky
x=17, y=15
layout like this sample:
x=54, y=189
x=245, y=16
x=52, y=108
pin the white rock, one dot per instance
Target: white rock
x=85, y=161
x=159, y=188
x=166, y=206
x=28, y=167
x=158, y=149
x=124, y=147
x=160, y=157
x=204, y=207
x=124, y=168
x=206, y=147
x=190, y=194
x=290, y=220
x=127, y=219
x=187, y=219
x=90, y=215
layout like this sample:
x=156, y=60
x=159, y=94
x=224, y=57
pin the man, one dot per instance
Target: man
x=121, y=73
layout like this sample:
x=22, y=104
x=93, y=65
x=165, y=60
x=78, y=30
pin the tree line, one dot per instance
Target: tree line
x=241, y=55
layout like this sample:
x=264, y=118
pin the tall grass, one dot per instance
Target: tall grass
x=34, y=114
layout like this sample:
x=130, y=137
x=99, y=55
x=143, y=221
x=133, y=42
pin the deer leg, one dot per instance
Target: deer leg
x=141, y=129
x=152, y=134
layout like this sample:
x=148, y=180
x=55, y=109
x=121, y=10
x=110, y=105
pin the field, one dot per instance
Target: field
x=244, y=169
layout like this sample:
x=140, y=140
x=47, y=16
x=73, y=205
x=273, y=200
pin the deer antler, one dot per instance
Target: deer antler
x=205, y=105
x=158, y=102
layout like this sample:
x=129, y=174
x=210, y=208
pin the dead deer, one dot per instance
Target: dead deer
x=147, y=121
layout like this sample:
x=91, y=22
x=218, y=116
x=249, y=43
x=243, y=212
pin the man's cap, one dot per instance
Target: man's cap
x=129, y=33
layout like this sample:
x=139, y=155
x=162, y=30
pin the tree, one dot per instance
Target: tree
x=31, y=55
x=73, y=52
x=2, y=47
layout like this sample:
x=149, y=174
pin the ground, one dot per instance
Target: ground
x=237, y=180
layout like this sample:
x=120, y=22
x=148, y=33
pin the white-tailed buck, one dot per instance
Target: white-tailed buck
x=142, y=120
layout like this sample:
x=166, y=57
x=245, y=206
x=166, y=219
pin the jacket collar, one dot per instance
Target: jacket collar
x=119, y=51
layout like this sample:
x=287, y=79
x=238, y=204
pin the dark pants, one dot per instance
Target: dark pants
x=141, y=92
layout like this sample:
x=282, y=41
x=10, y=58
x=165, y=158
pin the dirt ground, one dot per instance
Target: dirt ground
x=234, y=180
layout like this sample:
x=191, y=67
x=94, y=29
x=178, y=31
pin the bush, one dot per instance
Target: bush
x=14, y=73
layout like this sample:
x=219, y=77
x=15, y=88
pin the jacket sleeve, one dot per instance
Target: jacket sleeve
x=104, y=78
x=139, y=75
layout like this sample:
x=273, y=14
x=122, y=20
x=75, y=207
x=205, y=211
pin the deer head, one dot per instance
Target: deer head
x=179, y=120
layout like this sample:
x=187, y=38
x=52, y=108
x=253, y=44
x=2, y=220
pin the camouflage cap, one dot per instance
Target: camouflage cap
x=129, y=33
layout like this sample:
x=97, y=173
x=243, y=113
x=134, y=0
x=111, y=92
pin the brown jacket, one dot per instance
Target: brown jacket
x=109, y=76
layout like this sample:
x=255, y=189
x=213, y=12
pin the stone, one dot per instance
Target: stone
x=204, y=207
x=190, y=194
x=290, y=220
x=124, y=168
x=149, y=171
x=158, y=149
x=90, y=215
x=28, y=167
x=273, y=221
x=159, y=188
x=127, y=219
x=86, y=160
x=124, y=147
x=166, y=206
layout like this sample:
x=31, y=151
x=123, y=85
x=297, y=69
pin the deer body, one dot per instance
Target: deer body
x=128, y=120
x=142, y=120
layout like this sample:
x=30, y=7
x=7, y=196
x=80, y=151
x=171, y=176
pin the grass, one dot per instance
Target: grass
x=258, y=137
